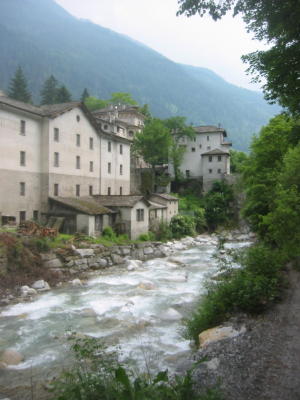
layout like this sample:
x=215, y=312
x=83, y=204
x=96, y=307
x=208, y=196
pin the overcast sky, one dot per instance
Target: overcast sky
x=195, y=41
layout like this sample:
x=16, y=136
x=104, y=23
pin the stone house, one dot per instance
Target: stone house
x=167, y=200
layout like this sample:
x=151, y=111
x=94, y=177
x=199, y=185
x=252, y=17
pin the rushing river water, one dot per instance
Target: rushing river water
x=140, y=311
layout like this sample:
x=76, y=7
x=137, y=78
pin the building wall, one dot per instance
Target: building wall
x=12, y=142
x=139, y=227
x=114, y=179
x=172, y=206
x=85, y=224
x=214, y=169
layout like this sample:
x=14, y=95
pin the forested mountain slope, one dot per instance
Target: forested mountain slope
x=44, y=39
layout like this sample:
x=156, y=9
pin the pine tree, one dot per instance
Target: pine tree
x=85, y=95
x=18, y=87
x=49, y=91
x=63, y=95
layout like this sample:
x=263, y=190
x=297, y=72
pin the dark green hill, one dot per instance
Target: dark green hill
x=44, y=39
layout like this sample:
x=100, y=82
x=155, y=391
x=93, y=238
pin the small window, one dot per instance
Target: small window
x=56, y=159
x=210, y=158
x=22, y=158
x=22, y=216
x=207, y=137
x=91, y=166
x=109, y=191
x=109, y=168
x=200, y=146
x=210, y=171
x=208, y=147
x=77, y=162
x=56, y=134
x=130, y=133
x=22, y=189
x=121, y=191
x=78, y=140
x=193, y=149
x=121, y=149
x=187, y=173
x=78, y=118
x=155, y=213
x=121, y=169
x=22, y=127
x=77, y=190
x=56, y=189
x=219, y=158
x=194, y=139
x=35, y=215
x=91, y=143
x=140, y=214
x=105, y=126
x=91, y=190
x=219, y=171
x=109, y=147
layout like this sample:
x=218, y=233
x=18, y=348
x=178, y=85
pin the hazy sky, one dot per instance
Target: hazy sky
x=195, y=41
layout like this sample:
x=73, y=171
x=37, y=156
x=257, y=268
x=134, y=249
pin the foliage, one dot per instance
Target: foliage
x=18, y=87
x=163, y=232
x=108, y=233
x=218, y=204
x=200, y=220
x=122, y=98
x=273, y=21
x=237, y=161
x=49, y=91
x=153, y=143
x=182, y=225
x=85, y=95
x=249, y=289
x=93, y=103
x=63, y=95
x=97, y=375
x=146, y=112
x=147, y=237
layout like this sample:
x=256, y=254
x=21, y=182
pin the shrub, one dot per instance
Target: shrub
x=147, y=237
x=182, y=225
x=163, y=232
x=200, y=221
x=108, y=233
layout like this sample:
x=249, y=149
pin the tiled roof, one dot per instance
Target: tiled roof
x=85, y=205
x=20, y=105
x=119, y=201
x=214, y=152
x=165, y=196
x=155, y=206
x=56, y=109
x=210, y=129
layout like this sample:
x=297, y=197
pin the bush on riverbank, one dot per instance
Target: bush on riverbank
x=249, y=289
x=98, y=375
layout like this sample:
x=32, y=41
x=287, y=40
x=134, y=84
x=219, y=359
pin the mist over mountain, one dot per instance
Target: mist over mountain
x=45, y=39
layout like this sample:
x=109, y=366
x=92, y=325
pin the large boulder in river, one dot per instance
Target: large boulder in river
x=219, y=333
x=11, y=357
x=41, y=285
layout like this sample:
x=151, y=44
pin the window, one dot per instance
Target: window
x=121, y=149
x=207, y=137
x=56, y=190
x=187, y=173
x=194, y=139
x=140, y=214
x=77, y=162
x=22, y=127
x=130, y=133
x=200, y=146
x=91, y=143
x=219, y=171
x=109, y=146
x=121, y=191
x=77, y=190
x=121, y=169
x=78, y=118
x=105, y=127
x=78, y=140
x=109, y=191
x=210, y=158
x=22, y=188
x=56, y=159
x=91, y=166
x=22, y=216
x=193, y=149
x=35, y=215
x=56, y=134
x=208, y=147
x=109, y=168
x=219, y=158
x=155, y=213
x=22, y=158
x=91, y=190
x=210, y=171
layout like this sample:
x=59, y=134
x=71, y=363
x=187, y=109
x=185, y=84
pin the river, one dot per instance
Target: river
x=138, y=310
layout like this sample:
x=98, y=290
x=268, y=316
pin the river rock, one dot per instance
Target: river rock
x=212, y=364
x=171, y=315
x=55, y=263
x=85, y=252
x=133, y=264
x=40, y=285
x=11, y=357
x=219, y=333
x=76, y=282
x=27, y=291
x=148, y=250
x=116, y=259
x=146, y=286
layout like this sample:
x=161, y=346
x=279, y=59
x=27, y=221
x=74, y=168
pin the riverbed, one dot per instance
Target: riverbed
x=137, y=310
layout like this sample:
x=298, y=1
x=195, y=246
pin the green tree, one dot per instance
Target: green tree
x=93, y=103
x=49, y=91
x=218, y=205
x=153, y=143
x=18, y=87
x=122, y=98
x=237, y=161
x=85, y=95
x=63, y=95
x=276, y=22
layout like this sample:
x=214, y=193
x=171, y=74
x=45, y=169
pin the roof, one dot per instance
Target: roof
x=120, y=201
x=155, y=206
x=214, y=152
x=165, y=196
x=210, y=129
x=121, y=108
x=86, y=205
x=20, y=105
x=55, y=109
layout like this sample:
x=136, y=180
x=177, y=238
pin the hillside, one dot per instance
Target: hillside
x=44, y=39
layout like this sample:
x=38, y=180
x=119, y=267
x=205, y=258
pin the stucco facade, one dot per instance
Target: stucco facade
x=167, y=200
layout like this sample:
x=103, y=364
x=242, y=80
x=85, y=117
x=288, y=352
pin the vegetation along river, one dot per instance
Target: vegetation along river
x=137, y=310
